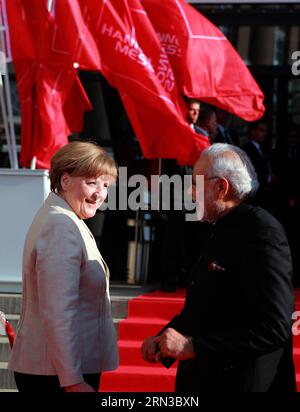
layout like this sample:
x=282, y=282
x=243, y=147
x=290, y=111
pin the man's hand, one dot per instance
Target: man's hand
x=79, y=387
x=150, y=350
x=174, y=345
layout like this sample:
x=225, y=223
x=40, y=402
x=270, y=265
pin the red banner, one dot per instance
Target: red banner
x=46, y=80
x=134, y=62
x=73, y=41
x=205, y=64
x=149, y=61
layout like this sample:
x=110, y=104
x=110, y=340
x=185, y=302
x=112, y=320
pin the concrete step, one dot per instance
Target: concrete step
x=10, y=303
x=119, y=307
x=7, y=380
x=4, y=349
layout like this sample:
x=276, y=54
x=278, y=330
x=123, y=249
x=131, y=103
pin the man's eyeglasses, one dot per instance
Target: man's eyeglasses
x=211, y=178
x=206, y=178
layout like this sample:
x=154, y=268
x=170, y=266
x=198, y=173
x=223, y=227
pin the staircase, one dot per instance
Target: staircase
x=10, y=304
x=146, y=316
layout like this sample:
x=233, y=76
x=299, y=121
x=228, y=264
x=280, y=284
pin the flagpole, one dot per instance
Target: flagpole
x=49, y=5
x=5, y=99
x=159, y=175
x=11, y=126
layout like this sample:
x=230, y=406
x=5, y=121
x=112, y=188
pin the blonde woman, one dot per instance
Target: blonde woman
x=66, y=337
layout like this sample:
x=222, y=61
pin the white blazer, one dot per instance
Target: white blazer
x=66, y=327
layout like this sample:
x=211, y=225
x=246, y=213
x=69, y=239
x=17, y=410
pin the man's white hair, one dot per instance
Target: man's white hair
x=234, y=164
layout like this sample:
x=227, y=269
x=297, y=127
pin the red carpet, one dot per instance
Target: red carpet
x=147, y=314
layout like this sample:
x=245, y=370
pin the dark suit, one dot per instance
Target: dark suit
x=198, y=130
x=238, y=312
x=286, y=164
x=226, y=135
x=262, y=167
x=259, y=162
x=174, y=234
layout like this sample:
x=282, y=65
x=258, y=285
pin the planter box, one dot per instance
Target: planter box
x=22, y=192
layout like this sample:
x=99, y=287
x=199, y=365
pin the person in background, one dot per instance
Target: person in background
x=286, y=165
x=207, y=123
x=66, y=337
x=193, y=111
x=234, y=333
x=171, y=232
x=224, y=133
x=256, y=150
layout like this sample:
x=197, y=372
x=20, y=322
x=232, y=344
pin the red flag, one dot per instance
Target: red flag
x=60, y=106
x=25, y=61
x=205, y=64
x=51, y=97
x=15, y=13
x=158, y=137
x=72, y=38
x=134, y=62
x=128, y=53
x=6, y=326
x=10, y=333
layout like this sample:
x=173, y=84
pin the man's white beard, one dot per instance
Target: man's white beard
x=215, y=211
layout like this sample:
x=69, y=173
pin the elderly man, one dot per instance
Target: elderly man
x=234, y=332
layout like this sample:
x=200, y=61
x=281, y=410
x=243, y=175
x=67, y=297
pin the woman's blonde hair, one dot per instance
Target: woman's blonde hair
x=80, y=159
